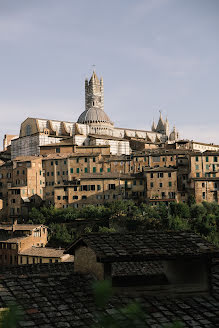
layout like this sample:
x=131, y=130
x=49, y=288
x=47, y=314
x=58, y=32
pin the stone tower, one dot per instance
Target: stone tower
x=94, y=97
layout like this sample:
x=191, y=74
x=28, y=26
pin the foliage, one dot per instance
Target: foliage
x=10, y=316
x=129, y=316
x=67, y=224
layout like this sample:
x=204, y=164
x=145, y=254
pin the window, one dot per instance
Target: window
x=203, y=195
x=169, y=175
x=171, y=158
x=85, y=159
x=78, y=170
x=92, y=187
x=197, y=175
x=156, y=159
x=207, y=166
x=163, y=159
x=106, y=196
x=52, y=174
x=94, y=159
x=160, y=175
x=152, y=175
x=65, y=162
x=197, y=167
x=59, y=197
x=112, y=186
x=71, y=170
x=85, y=170
x=94, y=169
x=215, y=158
x=77, y=160
x=170, y=184
x=56, y=162
x=18, y=172
x=58, y=150
x=134, y=182
x=99, y=197
x=108, y=170
x=203, y=185
x=75, y=197
x=206, y=158
x=65, y=197
x=98, y=187
x=50, y=260
x=51, y=163
x=47, y=174
x=101, y=169
x=196, y=158
x=84, y=197
x=28, y=130
x=75, y=188
x=152, y=184
x=161, y=185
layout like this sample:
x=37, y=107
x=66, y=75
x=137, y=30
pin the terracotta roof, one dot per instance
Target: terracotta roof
x=43, y=252
x=53, y=296
x=20, y=227
x=12, y=240
x=160, y=169
x=132, y=247
x=100, y=136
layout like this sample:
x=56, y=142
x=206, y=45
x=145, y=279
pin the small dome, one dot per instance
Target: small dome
x=94, y=115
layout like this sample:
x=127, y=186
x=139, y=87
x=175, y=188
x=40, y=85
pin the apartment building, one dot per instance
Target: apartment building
x=21, y=184
x=161, y=184
x=80, y=178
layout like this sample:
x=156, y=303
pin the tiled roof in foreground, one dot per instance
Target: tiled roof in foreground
x=55, y=297
x=117, y=247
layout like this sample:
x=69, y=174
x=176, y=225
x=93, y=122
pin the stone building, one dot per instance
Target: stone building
x=42, y=255
x=21, y=183
x=16, y=238
x=91, y=175
x=93, y=127
x=54, y=295
x=165, y=259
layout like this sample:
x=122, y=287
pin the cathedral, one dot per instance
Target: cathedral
x=93, y=127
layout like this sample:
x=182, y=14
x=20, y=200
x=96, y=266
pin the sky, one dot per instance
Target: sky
x=152, y=54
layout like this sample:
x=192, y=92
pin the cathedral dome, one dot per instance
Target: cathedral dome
x=94, y=115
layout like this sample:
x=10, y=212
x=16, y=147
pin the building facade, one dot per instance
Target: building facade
x=93, y=127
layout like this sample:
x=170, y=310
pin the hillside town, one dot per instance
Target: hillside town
x=87, y=201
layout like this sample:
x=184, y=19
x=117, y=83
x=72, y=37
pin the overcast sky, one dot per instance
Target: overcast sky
x=153, y=55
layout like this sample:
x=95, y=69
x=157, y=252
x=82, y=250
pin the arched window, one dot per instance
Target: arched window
x=28, y=130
